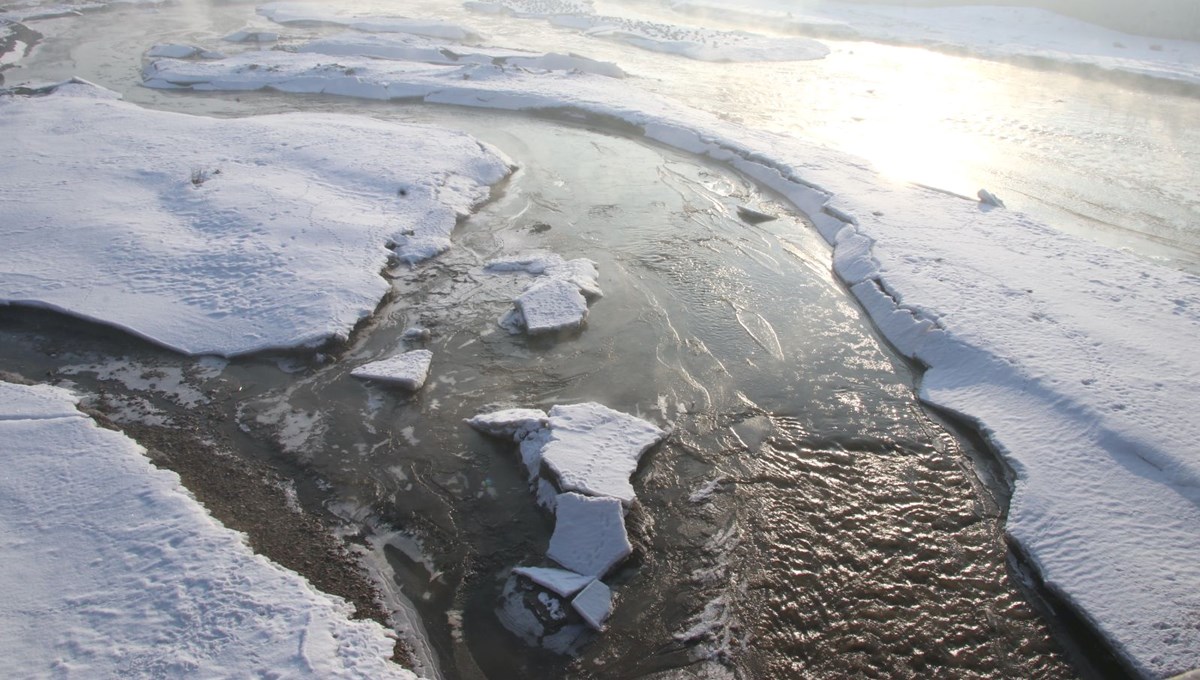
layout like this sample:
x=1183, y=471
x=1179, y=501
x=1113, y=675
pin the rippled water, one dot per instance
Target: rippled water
x=807, y=518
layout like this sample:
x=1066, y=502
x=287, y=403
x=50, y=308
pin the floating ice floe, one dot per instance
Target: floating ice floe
x=588, y=448
x=164, y=589
x=221, y=236
x=408, y=370
x=594, y=604
x=589, y=534
x=558, y=297
x=420, y=49
x=315, y=13
x=559, y=581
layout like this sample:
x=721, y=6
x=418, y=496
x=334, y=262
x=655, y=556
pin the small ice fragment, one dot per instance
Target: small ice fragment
x=559, y=581
x=513, y=422
x=173, y=51
x=988, y=198
x=594, y=604
x=417, y=334
x=589, y=534
x=408, y=370
x=552, y=305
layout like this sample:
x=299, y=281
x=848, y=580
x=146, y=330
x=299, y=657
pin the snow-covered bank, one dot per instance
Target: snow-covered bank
x=112, y=569
x=1067, y=355
x=221, y=236
x=985, y=31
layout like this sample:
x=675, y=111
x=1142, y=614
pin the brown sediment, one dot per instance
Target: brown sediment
x=251, y=497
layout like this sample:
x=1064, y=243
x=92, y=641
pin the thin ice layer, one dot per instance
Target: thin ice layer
x=155, y=584
x=408, y=370
x=220, y=236
x=589, y=534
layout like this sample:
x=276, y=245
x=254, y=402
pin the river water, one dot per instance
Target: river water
x=807, y=517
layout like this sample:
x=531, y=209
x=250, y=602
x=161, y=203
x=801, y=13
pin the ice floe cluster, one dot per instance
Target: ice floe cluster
x=157, y=585
x=693, y=42
x=580, y=459
x=222, y=236
x=556, y=299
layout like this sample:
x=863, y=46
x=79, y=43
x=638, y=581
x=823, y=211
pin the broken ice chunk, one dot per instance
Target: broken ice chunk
x=513, y=422
x=407, y=370
x=594, y=604
x=247, y=36
x=595, y=450
x=589, y=534
x=988, y=198
x=559, y=581
x=552, y=305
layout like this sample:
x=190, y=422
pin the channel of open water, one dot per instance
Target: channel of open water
x=807, y=517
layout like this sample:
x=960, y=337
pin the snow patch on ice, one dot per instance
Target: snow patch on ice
x=589, y=534
x=558, y=297
x=594, y=603
x=559, y=581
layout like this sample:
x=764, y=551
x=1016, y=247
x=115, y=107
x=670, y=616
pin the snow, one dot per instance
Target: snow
x=221, y=236
x=594, y=604
x=686, y=41
x=986, y=31
x=559, y=581
x=316, y=13
x=1073, y=360
x=589, y=534
x=112, y=568
x=408, y=370
x=558, y=298
x=416, y=48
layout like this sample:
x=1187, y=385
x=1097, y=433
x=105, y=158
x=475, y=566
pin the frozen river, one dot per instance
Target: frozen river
x=805, y=495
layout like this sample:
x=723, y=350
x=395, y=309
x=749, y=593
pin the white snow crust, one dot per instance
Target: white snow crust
x=221, y=236
x=558, y=297
x=991, y=32
x=408, y=370
x=317, y=13
x=1072, y=359
x=594, y=450
x=112, y=569
x=589, y=534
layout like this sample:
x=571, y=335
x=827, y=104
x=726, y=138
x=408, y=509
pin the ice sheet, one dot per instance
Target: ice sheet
x=109, y=565
x=560, y=581
x=594, y=604
x=221, y=236
x=408, y=370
